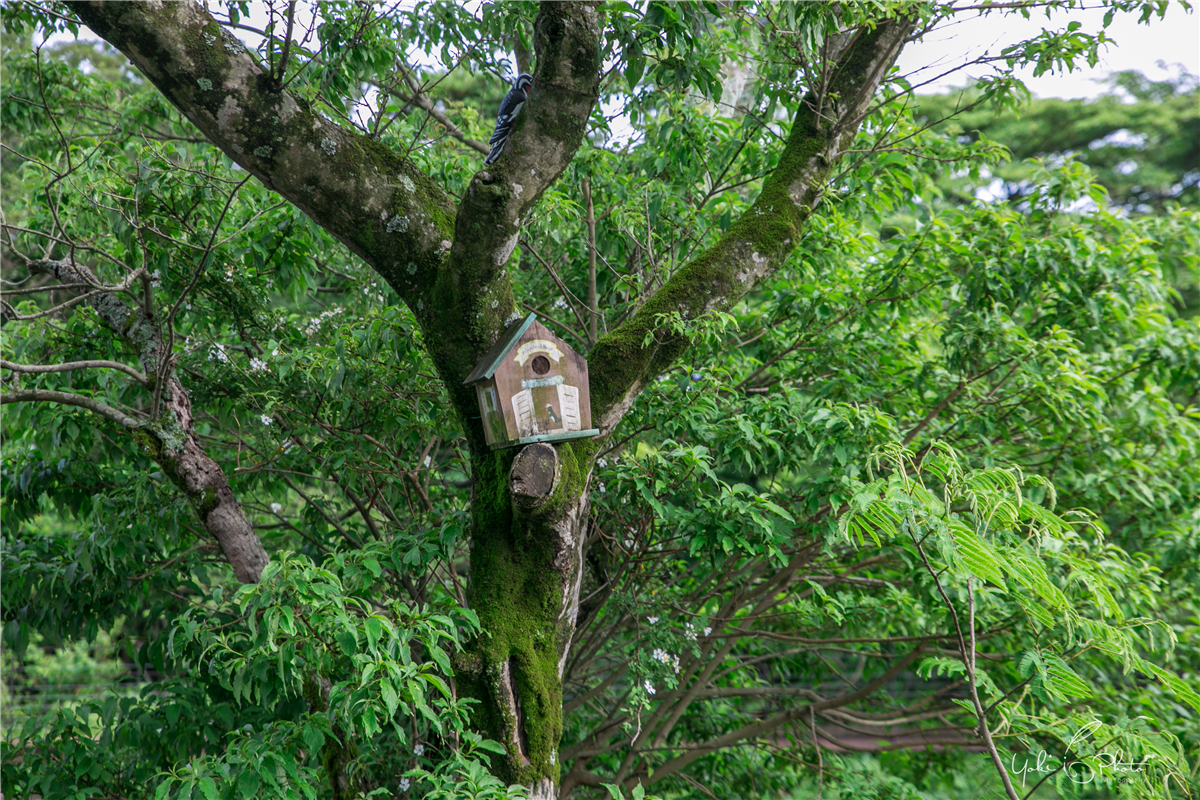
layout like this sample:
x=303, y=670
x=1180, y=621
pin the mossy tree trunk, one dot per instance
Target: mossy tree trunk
x=448, y=262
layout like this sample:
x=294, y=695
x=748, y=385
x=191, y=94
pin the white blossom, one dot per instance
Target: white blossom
x=560, y=303
x=652, y=620
x=276, y=508
x=217, y=352
x=404, y=784
x=667, y=658
x=418, y=750
x=257, y=365
x=428, y=460
x=689, y=631
x=707, y=631
x=649, y=686
x=275, y=352
x=314, y=325
x=266, y=420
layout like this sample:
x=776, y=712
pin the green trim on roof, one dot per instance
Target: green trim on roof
x=549, y=437
x=488, y=365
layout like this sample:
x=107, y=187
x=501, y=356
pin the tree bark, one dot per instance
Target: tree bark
x=526, y=567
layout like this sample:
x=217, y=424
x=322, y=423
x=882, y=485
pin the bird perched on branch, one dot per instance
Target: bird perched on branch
x=510, y=107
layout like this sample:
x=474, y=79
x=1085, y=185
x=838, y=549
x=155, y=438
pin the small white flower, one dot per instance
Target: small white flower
x=418, y=750
x=649, y=686
x=560, y=303
x=275, y=352
x=629, y=544
x=603, y=463
x=276, y=508
x=689, y=631
x=266, y=420
x=428, y=460
x=404, y=784
x=602, y=489
x=257, y=364
x=707, y=631
x=652, y=620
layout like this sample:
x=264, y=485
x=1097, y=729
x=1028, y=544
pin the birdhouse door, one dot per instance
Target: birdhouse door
x=522, y=403
x=568, y=401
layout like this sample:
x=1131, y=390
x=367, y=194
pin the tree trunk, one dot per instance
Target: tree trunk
x=529, y=515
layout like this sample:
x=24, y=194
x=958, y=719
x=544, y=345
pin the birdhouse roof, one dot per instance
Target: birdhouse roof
x=488, y=365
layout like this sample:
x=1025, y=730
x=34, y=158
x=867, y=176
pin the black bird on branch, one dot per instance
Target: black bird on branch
x=510, y=107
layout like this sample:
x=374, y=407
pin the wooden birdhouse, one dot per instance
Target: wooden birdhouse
x=532, y=387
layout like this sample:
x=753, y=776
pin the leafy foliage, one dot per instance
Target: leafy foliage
x=945, y=425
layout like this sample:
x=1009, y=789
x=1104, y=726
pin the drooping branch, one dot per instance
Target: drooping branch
x=169, y=438
x=776, y=721
x=762, y=240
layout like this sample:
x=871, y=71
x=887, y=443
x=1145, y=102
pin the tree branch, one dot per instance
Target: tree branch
x=376, y=202
x=71, y=365
x=69, y=399
x=758, y=243
x=771, y=723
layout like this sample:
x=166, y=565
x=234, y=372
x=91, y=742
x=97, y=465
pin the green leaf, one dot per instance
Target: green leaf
x=209, y=788
x=313, y=737
x=247, y=783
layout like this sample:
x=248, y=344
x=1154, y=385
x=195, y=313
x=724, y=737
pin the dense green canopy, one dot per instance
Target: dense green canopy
x=933, y=461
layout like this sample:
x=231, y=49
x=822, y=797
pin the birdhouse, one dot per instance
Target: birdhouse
x=532, y=387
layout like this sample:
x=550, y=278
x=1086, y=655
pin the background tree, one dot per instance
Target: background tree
x=835, y=502
x=1139, y=139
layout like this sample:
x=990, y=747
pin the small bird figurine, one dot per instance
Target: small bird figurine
x=550, y=411
x=510, y=106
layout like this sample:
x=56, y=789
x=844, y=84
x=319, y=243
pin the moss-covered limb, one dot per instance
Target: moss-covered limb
x=170, y=439
x=525, y=570
x=758, y=243
x=379, y=204
x=566, y=80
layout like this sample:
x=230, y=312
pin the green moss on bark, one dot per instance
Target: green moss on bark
x=518, y=576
